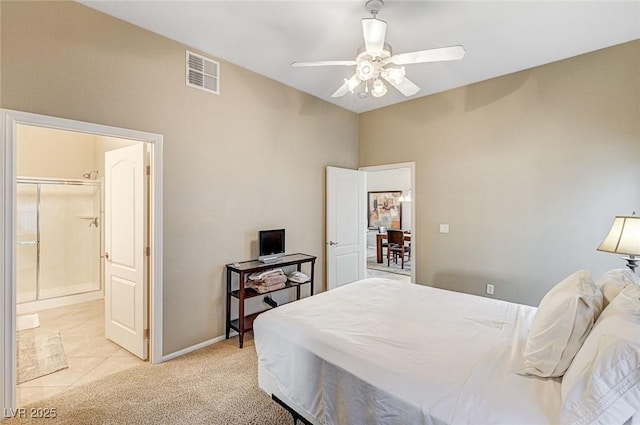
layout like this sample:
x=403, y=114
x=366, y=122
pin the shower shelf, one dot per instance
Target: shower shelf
x=93, y=220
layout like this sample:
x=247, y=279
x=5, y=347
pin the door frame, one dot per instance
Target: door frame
x=414, y=239
x=9, y=119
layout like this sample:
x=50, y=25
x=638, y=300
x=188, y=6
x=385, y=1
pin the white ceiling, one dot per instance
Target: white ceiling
x=500, y=37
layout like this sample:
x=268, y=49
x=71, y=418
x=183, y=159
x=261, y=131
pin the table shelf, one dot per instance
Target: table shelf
x=251, y=293
x=244, y=323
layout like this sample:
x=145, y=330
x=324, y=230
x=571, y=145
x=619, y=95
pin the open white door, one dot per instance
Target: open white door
x=126, y=265
x=346, y=226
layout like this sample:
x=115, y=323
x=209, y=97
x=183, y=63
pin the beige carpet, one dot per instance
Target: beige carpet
x=39, y=354
x=217, y=385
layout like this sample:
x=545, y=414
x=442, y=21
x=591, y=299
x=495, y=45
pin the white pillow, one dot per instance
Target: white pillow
x=614, y=281
x=564, y=318
x=602, y=385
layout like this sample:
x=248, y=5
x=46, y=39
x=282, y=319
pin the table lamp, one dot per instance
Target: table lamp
x=624, y=238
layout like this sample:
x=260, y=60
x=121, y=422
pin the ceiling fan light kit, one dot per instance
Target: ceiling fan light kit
x=395, y=74
x=379, y=88
x=374, y=60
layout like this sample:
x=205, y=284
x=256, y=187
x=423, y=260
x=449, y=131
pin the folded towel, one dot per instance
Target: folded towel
x=274, y=280
x=261, y=289
x=270, y=280
x=261, y=275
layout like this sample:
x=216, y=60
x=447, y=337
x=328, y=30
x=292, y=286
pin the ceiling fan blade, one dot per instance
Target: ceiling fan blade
x=432, y=55
x=348, y=86
x=324, y=63
x=374, y=31
x=406, y=87
x=342, y=90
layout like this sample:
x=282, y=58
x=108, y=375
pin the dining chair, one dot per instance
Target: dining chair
x=397, y=247
x=383, y=243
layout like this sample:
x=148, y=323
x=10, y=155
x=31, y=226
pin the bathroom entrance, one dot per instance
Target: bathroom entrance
x=71, y=318
x=62, y=299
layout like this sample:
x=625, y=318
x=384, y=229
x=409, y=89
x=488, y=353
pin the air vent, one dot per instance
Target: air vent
x=203, y=73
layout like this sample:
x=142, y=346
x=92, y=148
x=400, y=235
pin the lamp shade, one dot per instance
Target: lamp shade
x=624, y=236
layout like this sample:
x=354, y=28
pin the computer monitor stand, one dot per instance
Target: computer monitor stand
x=270, y=259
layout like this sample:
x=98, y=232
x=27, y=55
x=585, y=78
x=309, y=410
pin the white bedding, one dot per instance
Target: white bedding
x=379, y=351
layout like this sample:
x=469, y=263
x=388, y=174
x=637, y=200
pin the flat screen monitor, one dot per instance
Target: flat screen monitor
x=271, y=245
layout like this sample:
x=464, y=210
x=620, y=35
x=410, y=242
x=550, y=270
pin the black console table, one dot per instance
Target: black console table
x=244, y=323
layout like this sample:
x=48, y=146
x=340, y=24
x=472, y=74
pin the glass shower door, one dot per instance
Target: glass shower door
x=27, y=242
x=69, y=240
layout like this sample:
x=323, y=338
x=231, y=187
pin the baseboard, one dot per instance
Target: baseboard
x=35, y=306
x=192, y=348
x=80, y=288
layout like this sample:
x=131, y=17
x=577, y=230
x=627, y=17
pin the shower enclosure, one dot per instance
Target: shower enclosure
x=58, y=238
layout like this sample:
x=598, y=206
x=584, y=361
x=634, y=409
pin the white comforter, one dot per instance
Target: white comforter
x=383, y=352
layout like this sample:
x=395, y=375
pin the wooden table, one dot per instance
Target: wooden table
x=379, y=238
x=244, y=323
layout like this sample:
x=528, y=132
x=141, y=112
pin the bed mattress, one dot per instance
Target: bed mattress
x=379, y=351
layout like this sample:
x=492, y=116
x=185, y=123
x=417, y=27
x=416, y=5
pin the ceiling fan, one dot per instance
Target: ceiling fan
x=375, y=62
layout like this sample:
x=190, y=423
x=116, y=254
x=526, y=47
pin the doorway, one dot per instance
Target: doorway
x=61, y=222
x=392, y=183
x=11, y=121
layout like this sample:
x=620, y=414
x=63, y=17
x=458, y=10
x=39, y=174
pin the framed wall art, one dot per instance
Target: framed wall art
x=385, y=209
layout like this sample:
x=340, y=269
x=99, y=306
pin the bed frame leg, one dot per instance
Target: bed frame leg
x=296, y=416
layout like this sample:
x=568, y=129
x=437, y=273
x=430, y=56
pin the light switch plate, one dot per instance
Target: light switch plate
x=444, y=228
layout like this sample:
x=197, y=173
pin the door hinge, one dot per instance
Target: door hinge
x=148, y=170
x=147, y=251
x=146, y=334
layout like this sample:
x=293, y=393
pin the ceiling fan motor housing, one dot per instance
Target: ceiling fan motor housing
x=368, y=67
x=365, y=70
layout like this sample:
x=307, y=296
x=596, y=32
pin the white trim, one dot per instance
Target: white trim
x=35, y=306
x=193, y=348
x=7, y=253
x=414, y=195
x=9, y=120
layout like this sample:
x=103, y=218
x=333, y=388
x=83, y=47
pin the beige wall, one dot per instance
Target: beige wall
x=53, y=153
x=528, y=170
x=249, y=159
x=43, y=152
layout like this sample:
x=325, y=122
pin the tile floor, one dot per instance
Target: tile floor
x=388, y=275
x=90, y=355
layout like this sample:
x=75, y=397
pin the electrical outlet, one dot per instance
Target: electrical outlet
x=490, y=289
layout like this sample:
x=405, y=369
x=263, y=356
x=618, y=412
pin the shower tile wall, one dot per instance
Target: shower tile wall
x=69, y=242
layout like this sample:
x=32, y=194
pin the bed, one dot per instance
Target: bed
x=379, y=351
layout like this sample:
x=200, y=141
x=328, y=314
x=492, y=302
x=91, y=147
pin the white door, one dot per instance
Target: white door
x=346, y=226
x=126, y=261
